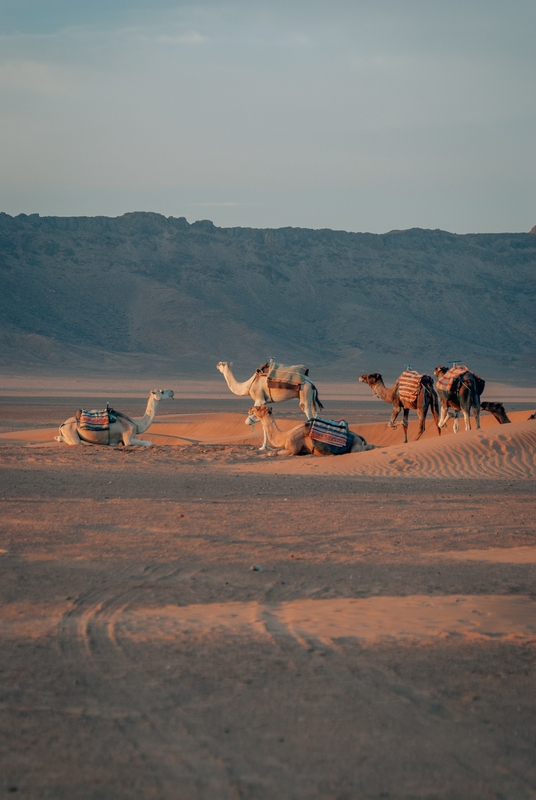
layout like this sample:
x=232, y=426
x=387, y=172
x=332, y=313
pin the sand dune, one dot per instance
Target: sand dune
x=506, y=451
x=494, y=451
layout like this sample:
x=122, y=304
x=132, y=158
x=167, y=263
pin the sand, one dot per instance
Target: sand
x=382, y=647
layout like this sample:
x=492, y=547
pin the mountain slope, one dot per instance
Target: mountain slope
x=105, y=291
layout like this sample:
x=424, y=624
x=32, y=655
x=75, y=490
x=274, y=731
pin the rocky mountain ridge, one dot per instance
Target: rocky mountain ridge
x=143, y=292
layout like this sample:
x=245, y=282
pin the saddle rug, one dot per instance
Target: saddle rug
x=444, y=382
x=329, y=432
x=94, y=420
x=294, y=375
x=409, y=385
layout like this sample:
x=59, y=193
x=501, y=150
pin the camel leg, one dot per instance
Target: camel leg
x=436, y=420
x=456, y=424
x=443, y=417
x=405, y=425
x=421, y=413
x=306, y=405
x=69, y=435
x=359, y=444
x=129, y=438
x=477, y=417
x=467, y=418
x=394, y=415
x=264, y=445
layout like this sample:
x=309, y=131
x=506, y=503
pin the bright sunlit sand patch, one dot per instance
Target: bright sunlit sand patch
x=495, y=555
x=31, y=620
x=373, y=619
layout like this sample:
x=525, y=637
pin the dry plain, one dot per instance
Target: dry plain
x=385, y=647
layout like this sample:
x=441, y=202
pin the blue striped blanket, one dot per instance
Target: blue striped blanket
x=329, y=432
x=94, y=420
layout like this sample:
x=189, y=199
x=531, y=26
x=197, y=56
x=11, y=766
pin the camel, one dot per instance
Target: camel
x=426, y=398
x=259, y=391
x=464, y=396
x=497, y=410
x=124, y=430
x=297, y=441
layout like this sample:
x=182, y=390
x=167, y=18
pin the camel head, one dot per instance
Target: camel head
x=497, y=410
x=371, y=379
x=256, y=414
x=440, y=371
x=223, y=365
x=162, y=394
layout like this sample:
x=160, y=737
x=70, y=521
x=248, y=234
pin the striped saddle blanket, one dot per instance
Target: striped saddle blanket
x=281, y=377
x=409, y=385
x=94, y=420
x=330, y=432
x=444, y=382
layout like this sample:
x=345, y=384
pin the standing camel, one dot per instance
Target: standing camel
x=299, y=441
x=425, y=398
x=121, y=428
x=262, y=389
x=459, y=390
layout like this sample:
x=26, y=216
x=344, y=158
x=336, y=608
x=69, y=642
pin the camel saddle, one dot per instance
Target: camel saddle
x=409, y=385
x=95, y=420
x=445, y=382
x=282, y=377
x=329, y=435
x=95, y=424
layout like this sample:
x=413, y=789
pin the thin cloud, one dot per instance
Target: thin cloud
x=192, y=38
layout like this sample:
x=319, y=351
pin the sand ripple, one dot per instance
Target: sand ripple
x=506, y=451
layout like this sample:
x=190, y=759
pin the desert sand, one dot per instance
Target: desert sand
x=200, y=620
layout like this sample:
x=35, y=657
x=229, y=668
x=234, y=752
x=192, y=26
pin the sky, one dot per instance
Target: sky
x=357, y=115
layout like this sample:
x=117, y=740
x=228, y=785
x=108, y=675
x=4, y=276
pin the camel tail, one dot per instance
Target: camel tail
x=428, y=383
x=316, y=399
x=475, y=394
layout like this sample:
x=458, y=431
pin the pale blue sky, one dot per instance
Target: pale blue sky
x=364, y=116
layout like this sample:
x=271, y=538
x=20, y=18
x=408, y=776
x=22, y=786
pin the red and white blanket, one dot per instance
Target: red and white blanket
x=444, y=382
x=409, y=385
x=93, y=420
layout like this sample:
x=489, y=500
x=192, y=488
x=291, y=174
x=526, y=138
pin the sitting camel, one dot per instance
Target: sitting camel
x=425, y=399
x=496, y=410
x=258, y=388
x=122, y=430
x=298, y=441
x=463, y=396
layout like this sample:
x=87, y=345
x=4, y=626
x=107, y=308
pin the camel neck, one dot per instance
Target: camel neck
x=241, y=389
x=381, y=391
x=276, y=437
x=145, y=421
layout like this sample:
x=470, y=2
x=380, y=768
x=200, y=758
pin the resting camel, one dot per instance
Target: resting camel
x=257, y=388
x=426, y=398
x=297, y=441
x=465, y=395
x=124, y=429
x=497, y=410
